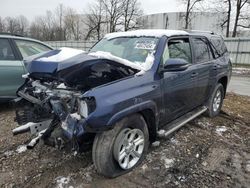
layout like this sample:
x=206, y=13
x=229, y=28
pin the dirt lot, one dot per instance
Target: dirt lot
x=204, y=153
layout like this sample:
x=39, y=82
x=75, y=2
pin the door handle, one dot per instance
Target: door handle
x=215, y=67
x=194, y=74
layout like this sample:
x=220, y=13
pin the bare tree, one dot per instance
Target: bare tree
x=23, y=23
x=59, y=22
x=240, y=5
x=2, y=25
x=131, y=13
x=114, y=13
x=11, y=25
x=223, y=8
x=190, y=6
x=72, y=22
x=94, y=19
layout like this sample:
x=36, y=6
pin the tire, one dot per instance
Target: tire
x=214, y=110
x=105, y=152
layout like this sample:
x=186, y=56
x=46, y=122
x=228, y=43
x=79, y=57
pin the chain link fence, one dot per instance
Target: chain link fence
x=239, y=48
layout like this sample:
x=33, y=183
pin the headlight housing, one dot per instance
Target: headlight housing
x=83, y=109
x=86, y=106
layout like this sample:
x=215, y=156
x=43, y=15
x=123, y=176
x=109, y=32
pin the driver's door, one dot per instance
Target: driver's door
x=178, y=85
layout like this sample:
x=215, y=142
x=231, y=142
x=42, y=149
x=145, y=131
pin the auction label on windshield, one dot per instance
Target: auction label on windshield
x=145, y=45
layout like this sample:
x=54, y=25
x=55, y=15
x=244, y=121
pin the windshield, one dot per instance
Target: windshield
x=134, y=49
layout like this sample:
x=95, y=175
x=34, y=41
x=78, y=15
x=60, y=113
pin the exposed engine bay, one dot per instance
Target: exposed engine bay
x=52, y=105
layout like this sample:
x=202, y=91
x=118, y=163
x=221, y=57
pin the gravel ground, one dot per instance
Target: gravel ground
x=204, y=153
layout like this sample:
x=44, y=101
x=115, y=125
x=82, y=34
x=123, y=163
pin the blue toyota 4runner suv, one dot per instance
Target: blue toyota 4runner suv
x=117, y=96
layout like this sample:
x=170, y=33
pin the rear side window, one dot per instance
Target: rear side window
x=6, y=52
x=201, y=50
x=29, y=48
x=218, y=46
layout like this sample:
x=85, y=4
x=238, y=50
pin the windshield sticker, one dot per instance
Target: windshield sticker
x=145, y=45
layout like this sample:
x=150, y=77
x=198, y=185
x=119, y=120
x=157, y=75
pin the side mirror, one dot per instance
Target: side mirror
x=175, y=64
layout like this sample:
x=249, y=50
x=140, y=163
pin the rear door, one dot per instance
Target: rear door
x=11, y=69
x=203, y=64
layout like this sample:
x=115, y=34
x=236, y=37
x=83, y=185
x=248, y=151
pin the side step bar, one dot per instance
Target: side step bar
x=178, y=123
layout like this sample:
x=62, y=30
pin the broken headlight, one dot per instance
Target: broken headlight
x=83, y=109
x=86, y=106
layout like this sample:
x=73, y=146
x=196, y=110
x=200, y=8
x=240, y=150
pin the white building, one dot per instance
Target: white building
x=206, y=21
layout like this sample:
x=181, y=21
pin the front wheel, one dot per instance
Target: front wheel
x=215, y=101
x=118, y=151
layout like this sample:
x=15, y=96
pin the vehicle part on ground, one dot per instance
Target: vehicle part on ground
x=108, y=146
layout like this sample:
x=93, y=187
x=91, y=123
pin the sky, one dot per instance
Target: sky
x=33, y=8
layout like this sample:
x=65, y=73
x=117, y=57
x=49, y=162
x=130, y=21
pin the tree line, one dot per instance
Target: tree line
x=235, y=13
x=65, y=23
x=104, y=16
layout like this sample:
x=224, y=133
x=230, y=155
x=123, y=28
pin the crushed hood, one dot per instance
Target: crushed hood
x=57, y=60
x=78, y=69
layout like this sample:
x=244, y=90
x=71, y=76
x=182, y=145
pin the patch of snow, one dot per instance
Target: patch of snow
x=204, y=163
x=182, y=178
x=25, y=75
x=161, y=133
x=167, y=162
x=62, y=181
x=156, y=143
x=61, y=86
x=76, y=116
x=146, y=33
x=248, y=166
x=149, y=62
x=21, y=149
x=220, y=130
x=144, y=167
x=65, y=53
x=107, y=55
x=174, y=141
x=8, y=153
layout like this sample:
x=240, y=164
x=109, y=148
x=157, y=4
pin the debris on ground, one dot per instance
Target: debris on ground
x=156, y=143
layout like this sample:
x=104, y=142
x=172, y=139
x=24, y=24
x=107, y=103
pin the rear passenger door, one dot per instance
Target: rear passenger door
x=11, y=69
x=203, y=65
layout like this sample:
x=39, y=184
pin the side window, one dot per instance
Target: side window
x=6, y=52
x=219, y=46
x=201, y=50
x=178, y=48
x=29, y=48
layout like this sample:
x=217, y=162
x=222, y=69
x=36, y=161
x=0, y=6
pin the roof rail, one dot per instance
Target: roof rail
x=11, y=34
x=200, y=31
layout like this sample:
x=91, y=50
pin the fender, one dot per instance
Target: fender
x=133, y=109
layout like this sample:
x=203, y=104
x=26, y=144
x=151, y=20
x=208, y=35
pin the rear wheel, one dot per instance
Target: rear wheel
x=118, y=151
x=216, y=100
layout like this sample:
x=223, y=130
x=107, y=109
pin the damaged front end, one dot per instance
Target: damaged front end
x=53, y=114
x=52, y=105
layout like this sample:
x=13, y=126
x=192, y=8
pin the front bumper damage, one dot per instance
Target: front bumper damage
x=50, y=116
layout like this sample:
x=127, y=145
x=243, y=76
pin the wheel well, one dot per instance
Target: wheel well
x=149, y=117
x=223, y=81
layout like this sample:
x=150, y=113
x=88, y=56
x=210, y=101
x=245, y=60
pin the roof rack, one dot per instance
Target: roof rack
x=200, y=31
x=11, y=34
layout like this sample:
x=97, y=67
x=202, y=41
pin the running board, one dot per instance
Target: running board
x=181, y=121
